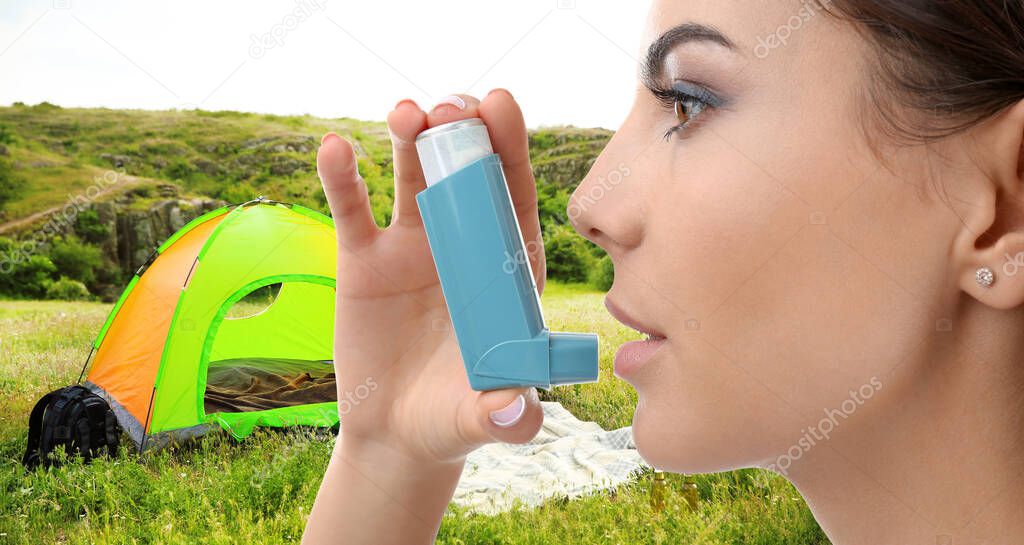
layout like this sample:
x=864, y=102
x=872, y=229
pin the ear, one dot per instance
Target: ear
x=993, y=227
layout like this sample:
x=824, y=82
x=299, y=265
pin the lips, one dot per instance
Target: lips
x=634, y=355
x=619, y=314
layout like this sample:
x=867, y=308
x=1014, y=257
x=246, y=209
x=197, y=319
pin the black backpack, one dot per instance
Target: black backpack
x=73, y=418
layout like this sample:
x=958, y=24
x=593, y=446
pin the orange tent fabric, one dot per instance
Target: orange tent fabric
x=126, y=363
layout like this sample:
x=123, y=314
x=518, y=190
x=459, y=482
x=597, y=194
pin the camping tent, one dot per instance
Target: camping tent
x=175, y=360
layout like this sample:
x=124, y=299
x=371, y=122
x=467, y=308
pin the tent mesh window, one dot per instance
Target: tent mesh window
x=287, y=371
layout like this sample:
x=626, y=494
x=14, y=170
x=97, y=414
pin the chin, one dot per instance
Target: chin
x=662, y=445
x=691, y=444
x=649, y=440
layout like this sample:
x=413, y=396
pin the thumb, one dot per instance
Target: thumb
x=508, y=416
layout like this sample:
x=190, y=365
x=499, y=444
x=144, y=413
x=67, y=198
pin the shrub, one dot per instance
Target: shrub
x=67, y=289
x=541, y=139
x=179, y=169
x=552, y=202
x=89, y=228
x=603, y=274
x=76, y=260
x=23, y=275
x=238, y=193
x=569, y=256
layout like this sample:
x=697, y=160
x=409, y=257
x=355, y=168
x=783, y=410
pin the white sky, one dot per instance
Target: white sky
x=566, y=61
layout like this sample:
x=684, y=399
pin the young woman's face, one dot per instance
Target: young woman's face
x=790, y=272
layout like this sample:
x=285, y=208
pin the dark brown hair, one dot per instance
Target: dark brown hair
x=943, y=65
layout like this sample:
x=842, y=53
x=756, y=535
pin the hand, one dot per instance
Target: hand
x=400, y=372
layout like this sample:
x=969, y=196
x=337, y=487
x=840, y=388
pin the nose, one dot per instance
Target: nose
x=607, y=207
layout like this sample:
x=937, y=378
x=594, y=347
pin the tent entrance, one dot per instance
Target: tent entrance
x=270, y=347
x=260, y=384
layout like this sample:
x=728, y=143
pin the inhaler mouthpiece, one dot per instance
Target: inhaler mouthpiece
x=447, y=148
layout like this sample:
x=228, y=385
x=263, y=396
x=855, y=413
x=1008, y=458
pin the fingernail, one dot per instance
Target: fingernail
x=405, y=101
x=497, y=89
x=453, y=100
x=327, y=136
x=510, y=414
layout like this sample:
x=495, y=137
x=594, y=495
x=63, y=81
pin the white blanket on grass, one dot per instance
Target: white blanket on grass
x=568, y=458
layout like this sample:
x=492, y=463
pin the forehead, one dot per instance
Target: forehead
x=752, y=25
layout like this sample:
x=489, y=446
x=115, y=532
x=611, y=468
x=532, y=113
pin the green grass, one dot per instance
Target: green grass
x=261, y=490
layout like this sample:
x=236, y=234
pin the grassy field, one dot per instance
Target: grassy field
x=260, y=491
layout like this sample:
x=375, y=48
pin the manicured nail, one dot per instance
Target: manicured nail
x=511, y=414
x=453, y=100
x=405, y=101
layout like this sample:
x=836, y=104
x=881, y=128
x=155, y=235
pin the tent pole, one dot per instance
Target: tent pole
x=86, y=364
x=145, y=425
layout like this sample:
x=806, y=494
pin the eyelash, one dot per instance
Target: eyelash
x=695, y=99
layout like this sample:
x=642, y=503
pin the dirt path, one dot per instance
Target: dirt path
x=125, y=183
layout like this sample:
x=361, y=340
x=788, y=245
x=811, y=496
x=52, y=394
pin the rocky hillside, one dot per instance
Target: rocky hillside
x=140, y=175
x=132, y=233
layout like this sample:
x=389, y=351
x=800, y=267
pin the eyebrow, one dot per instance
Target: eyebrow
x=684, y=33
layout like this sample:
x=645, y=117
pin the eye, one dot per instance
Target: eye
x=687, y=101
x=682, y=111
x=686, y=109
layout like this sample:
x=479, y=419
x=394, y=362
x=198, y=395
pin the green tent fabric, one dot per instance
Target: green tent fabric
x=173, y=323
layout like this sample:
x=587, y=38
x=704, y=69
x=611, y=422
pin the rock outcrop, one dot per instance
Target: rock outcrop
x=135, y=233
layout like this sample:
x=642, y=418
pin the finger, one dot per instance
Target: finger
x=345, y=191
x=504, y=120
x=509, y=416
x=405, y=122
x=453, y=108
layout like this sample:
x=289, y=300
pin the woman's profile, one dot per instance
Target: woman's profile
x=820, y=236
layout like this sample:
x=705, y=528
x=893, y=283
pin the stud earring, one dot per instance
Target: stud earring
x=985, y=277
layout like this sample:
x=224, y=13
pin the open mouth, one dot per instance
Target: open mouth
x=634, y=355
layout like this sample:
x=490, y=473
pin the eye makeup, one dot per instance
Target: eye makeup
x=706, y=48
x=688, y=101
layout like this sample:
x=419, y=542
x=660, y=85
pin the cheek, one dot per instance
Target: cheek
x=712, y=221
x=837, y=294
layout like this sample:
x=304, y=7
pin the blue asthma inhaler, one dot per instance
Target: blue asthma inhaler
x=485, y=271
